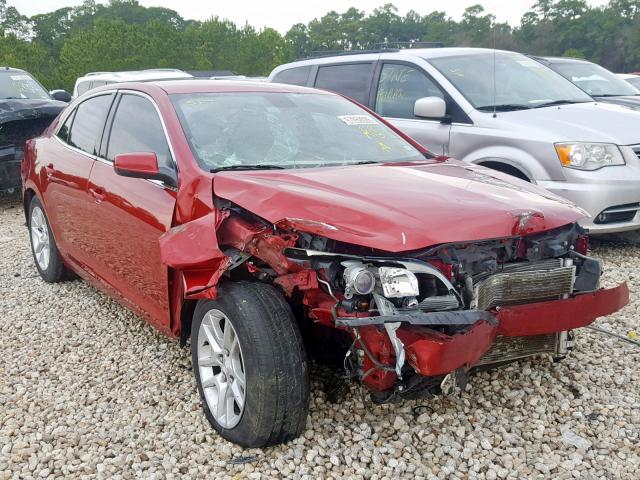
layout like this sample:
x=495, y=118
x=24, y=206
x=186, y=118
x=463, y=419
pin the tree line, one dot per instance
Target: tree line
x=59, y=46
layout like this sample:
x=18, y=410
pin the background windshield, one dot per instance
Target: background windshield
x=285, y=129
x=20, y=85
x=594, y=79
x=518, y=80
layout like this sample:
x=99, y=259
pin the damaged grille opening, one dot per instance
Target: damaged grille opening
x=426, y=313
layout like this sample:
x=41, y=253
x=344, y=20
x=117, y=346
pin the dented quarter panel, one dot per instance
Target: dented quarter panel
x=396, y=208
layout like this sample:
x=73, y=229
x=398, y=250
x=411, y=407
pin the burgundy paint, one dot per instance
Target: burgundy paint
x=136, y=164
x=396, y=208
x=558, y=315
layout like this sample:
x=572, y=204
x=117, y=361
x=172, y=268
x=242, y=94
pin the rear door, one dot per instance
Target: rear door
x=134, y=212
x=67, y=165
x=398, y=86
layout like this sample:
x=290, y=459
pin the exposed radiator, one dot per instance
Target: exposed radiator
x=511, y=287
x=512, y=348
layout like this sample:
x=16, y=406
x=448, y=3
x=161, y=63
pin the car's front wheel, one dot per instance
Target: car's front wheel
x=43, y=246
x=250, y=365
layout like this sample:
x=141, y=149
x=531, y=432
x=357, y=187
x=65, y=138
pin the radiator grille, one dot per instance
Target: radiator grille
x=512, y=348
x=512, y=288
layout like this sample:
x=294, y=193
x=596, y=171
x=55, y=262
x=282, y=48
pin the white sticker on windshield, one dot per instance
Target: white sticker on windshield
x=20, y=77
x=358, y=119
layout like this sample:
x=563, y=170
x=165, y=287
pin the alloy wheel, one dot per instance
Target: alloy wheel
x=40, y=238
x=221, y=368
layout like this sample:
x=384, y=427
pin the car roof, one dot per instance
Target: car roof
x=425, y=53
x=134, y=75
x=561, y=59
x=428, y=53
x=11, y=69
x=214, y=86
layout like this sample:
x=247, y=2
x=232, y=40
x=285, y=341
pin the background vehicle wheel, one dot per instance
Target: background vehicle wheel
x=250, y=365
x=43, y=246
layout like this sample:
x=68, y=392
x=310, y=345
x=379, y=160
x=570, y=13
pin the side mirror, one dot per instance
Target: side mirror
x=142, y=165
x=60, y=95
x=430, y=107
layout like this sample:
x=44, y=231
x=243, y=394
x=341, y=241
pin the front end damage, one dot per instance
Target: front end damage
x=419, y=319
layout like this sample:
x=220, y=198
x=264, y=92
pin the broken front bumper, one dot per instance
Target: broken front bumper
x=433, y=353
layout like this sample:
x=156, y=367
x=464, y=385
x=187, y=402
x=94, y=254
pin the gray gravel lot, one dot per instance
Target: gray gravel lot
x=87, y=390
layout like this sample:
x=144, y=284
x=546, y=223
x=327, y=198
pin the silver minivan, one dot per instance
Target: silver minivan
x=503, y=110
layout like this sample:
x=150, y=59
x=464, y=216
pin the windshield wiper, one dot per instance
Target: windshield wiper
x=556, y=102
x=247, y=167
x=506, y=107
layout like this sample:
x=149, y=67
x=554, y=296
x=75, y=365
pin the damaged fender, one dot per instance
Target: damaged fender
x=192, y=250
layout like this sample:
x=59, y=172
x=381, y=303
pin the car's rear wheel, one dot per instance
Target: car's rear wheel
x=43, y=246
x=250, y=365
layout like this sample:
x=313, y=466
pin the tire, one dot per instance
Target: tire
x=43, y=246
x=272, y=407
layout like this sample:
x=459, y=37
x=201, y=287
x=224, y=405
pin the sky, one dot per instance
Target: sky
x=282, y=14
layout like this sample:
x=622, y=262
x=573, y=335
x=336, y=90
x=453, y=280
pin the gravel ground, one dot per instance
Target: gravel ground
x=89, y=390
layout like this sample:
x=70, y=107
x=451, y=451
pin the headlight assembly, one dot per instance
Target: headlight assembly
x=398, y=282
x=588, y=156
x=358, y=280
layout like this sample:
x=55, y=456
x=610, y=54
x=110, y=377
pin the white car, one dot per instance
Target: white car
x=98, y=79
x=633, y=79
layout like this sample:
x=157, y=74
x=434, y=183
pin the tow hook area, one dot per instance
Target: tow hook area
x=454, y=382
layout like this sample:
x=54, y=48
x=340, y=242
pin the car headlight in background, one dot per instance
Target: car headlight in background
x=398, y=282
x=589, y=156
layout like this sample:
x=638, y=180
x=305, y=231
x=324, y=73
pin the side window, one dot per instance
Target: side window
x=399, y=88
x=63, y=132
x=88, y=124
x=352, y=80
x=82, y=87
x=293, y=76
x=137, y=128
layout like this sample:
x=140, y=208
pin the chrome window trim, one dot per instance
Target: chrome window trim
x=164, y=127
x=115, y=91
x=75, y=149
x=158, y=183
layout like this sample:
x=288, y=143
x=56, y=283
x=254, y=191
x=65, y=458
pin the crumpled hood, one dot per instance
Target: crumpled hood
x=24, y=109
x=580, y=122
x=395, y=207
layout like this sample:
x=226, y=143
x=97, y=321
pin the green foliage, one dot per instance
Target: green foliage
x=66, y=43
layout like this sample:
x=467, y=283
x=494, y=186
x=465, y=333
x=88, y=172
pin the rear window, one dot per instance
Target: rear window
x=352, y=80
x=293, y=76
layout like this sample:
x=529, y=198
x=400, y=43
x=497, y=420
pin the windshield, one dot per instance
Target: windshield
x=520, y=82
x=634, y=81
x=595, y=80
x=20, y=85
x=285, y=130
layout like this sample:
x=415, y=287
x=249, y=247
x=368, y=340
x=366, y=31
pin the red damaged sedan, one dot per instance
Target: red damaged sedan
x=264, y=222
